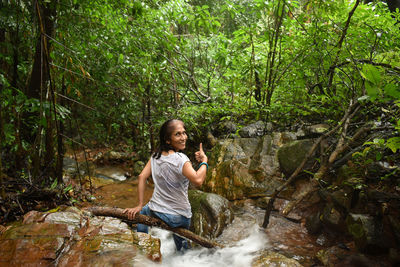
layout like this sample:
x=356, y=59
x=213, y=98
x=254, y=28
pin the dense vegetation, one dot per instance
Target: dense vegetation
x=94, y=73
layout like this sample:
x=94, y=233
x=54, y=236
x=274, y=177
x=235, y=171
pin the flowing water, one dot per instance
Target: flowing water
x=243, y=239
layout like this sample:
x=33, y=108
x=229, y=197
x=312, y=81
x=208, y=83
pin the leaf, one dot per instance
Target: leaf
x=372, y=90
x=83, y=71
x=393, y=143
x=67, y=189
x=54, y=184
x=371, y=73
x=392, y=90
x=364, y=97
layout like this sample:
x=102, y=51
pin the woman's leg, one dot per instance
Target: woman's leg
x=176, y=221
x=142, y=227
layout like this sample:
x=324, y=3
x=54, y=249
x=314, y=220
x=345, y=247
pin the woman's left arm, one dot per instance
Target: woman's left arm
x=196, y=177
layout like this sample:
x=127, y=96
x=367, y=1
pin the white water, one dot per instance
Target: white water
x=243, y=239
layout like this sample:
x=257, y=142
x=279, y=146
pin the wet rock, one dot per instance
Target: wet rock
x=69, y=166
x=107, y=250
x=332, y=217
x=341, y=198
x=112, y=157
x=346, y=257
x=245, y=167
x=72, y=169
x=71, y=238
x=279, y=205
x=313, y=223
x=113, y=173
x=370, y=233
x=36, y=244
x=274, y=259
x=149, y=245
x=211, y=213
x=291, y=155
x=253, y=130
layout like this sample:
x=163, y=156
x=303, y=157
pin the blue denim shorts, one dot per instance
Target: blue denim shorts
x=172, y=220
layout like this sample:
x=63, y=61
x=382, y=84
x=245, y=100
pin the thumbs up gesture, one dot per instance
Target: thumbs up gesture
x=200, y=155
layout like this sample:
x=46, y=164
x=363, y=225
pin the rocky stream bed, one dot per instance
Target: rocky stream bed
x=335, y=227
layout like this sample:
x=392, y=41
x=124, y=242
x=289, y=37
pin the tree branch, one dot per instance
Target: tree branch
x=150, y=221
x=271, y=201
x=331, y=70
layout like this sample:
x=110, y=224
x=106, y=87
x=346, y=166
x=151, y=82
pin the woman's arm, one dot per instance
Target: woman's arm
x=196, y=177
x=146, y=172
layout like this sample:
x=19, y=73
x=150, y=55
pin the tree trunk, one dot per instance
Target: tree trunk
x=150, y=221
x=39, y=83
x=149, y=120
x=2, y=68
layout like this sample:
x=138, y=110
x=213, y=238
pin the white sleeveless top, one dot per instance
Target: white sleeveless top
x=170, y=193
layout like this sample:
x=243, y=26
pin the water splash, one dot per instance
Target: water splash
x=237, y=255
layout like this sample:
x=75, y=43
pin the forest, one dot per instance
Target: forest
x=77, y=76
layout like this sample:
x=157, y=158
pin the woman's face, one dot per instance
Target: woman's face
x=178, y=136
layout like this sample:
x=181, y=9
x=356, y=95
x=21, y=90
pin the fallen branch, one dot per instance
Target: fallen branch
x=150, y=221
x=300, y=168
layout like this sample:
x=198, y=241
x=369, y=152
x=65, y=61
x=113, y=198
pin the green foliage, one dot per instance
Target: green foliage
x=124, y=67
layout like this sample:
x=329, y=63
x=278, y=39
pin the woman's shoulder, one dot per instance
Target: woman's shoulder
x=180, y=156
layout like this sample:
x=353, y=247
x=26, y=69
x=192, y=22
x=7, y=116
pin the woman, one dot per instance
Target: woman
x=171, y=171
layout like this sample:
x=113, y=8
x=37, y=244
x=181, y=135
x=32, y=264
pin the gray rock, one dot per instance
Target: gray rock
x=253, y=130
x=245, y=167
x=274, y=259
x=211, y=213
x=291, y=155
x=70, y=238
x=332, y=217
x=228, y=127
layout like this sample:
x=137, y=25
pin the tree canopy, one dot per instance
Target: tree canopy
x=87, y=73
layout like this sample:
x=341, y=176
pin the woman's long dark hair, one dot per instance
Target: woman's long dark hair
x=165, y=135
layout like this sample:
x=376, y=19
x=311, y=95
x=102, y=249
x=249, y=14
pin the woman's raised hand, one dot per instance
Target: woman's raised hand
x=200, y=155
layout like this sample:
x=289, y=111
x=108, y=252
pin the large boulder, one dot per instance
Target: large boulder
x=292, y=154
x=211, y=213
x=246, y=167
x=72, y=238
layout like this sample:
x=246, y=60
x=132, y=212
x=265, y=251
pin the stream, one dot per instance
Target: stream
x=243, y=239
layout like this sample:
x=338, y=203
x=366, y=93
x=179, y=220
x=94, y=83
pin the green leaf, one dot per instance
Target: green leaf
x=393, y=143
x=371, y=73
x=54, y=184
x=67, y=189
x=372, y=90
x=392, y=90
